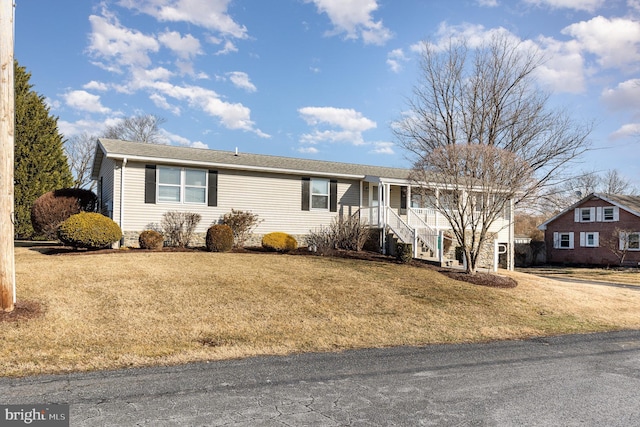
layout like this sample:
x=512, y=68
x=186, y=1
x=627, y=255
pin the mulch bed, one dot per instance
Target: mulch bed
x=23, y=310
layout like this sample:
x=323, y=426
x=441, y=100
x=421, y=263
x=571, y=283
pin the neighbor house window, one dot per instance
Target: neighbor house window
x=585, y=215
x=320, y=193
x=180, y=185
x=634, y=241
x=563, y=240
x=608, y=214
x=589, y=239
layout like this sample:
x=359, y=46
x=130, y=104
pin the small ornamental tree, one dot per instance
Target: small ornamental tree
x=54, y=207
x=242, y=224
x=178, y=227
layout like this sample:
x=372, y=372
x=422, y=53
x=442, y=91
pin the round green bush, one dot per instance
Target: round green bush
x=89, y=230
x=219, y=238
x=280, y=242
x=150, y=239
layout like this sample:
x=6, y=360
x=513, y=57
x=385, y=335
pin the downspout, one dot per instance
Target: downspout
x=124, y=163
x=511, y=248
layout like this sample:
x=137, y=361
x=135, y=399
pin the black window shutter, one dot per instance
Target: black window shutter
x=403, y=197
x=150, y=183
x=306, y=190
x=333, y=195
x=212, y=194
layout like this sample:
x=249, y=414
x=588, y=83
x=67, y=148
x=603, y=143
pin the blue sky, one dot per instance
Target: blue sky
x=321, y=79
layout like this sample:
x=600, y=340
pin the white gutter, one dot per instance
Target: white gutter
x=124, y=163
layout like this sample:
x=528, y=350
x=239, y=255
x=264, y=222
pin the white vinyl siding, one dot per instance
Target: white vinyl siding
x=589, y=239
x=275, y=198
x=563, y=240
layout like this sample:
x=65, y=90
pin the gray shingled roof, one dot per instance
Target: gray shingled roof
x=632, y=203
x=215, y=158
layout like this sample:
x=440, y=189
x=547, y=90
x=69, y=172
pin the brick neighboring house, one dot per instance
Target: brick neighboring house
x=596, y=230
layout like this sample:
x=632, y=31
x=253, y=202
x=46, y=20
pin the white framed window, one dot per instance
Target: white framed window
x=590, y=239
x=630, y=241
x=319, y=193
x=181, y=185
x=563, y=240
x=585, y=214
x=608, y=214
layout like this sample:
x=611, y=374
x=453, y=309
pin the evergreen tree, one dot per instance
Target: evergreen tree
x=40, y=163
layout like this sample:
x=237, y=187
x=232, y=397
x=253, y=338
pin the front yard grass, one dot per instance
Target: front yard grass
x=136, y=308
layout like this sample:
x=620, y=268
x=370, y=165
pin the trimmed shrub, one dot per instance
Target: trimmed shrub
x=178, y=227
x=404, y=252
x=349, y=234
x=150, y=239
x=242, y=224
x=54, y=207
x=219, y=238
x=279, y=242
x=89, y=230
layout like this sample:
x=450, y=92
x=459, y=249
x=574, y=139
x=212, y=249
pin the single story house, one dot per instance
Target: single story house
x=600, y=229
x=137, y=183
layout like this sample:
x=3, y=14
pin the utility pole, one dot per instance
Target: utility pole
x=7, y=132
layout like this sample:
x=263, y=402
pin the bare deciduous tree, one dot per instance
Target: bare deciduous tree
x=488, y=97
x=620, y=242
x=80, y=150
x=571, y=191
x=142, y=128
x=480, y=181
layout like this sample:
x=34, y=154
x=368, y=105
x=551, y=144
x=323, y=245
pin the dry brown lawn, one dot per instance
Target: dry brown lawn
x=138, y=308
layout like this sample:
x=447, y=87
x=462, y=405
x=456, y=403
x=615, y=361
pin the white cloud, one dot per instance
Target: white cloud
x=210, y=14
x=563, y=70
x=354, y=18
x=170, y=138
x=184, y=47
x=118, y=45
x=233, y=116
x=487, y=3
x=626, y=131
x=85, y=101
x=241, y=80
x=92, y=127
x=625, y=96
x=228, y=47
x=161, y=102
x=94, y=85
x=308, y=150
x=615, y=41
x=349, y=123
x=383, y=148
x=563, y=67
x=395, y=58
x=585, y=5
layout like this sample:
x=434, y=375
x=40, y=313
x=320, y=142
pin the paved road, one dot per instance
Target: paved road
x=579, y=380
x=587, y=281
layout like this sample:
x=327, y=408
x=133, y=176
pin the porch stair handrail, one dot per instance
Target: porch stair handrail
x=401, y=229
x=427, y=234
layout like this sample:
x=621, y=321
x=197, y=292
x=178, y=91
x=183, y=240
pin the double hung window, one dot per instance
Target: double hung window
x=181, y=185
